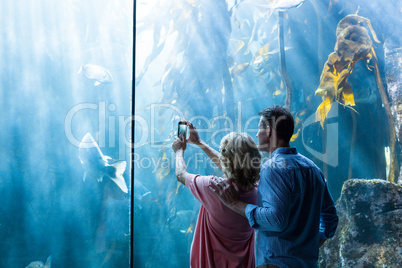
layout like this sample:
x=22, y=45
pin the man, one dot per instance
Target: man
x=295, y=212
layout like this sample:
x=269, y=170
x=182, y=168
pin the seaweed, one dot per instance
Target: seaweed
x=283, y=62
x=353, y=44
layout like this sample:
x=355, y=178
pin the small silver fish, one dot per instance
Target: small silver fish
x=283, y=5
x=140, y=191
x=279, y=5
x=97, y=165
x=98, y=73
x=181, y=221
x=39, y=264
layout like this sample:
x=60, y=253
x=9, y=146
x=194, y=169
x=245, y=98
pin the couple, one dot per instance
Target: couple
x=292, y=209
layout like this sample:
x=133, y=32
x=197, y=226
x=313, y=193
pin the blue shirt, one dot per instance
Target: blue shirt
x=295, y=210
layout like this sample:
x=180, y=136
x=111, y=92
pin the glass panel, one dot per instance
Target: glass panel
x=217, y=64
x=66, y=70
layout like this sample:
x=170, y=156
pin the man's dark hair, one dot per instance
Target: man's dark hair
x=280, y=119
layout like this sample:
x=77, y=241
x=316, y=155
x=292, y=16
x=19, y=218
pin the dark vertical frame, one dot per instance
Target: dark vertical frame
x=132, y=144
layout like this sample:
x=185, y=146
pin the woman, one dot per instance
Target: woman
x=222, y=238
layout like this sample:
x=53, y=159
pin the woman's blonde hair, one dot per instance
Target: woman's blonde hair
x=240, y=158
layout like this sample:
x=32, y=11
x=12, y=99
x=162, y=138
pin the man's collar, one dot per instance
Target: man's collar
x=284, y=150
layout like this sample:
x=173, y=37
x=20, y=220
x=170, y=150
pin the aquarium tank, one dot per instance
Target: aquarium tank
x=92, y=93
x=66, y=89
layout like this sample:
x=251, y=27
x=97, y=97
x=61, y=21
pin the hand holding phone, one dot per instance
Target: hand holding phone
x=194, y=137
x=180, y=142
x=182, y=130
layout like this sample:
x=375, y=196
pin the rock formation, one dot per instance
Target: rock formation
x=369, y=233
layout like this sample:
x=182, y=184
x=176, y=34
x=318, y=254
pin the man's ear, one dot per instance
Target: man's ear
x=268, y=131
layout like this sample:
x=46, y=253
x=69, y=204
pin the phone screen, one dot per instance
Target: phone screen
x=182, y=131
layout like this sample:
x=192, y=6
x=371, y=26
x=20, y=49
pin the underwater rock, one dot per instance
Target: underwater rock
x=370, y=223
x=393, y=72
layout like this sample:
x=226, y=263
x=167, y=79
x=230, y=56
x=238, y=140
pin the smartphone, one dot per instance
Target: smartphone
x=182, y=130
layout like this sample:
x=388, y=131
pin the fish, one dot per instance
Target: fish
x=181, y=221
x=140, y=191
x=98, y=165
x=263, y=53
x=97, y=73
x=141, y=194
x=295, y=136
x=235, y=45
x=239, y=69
x=277, y=92
x=282, y=5
x=278, y=5
x=40, y=264
x=259, y=55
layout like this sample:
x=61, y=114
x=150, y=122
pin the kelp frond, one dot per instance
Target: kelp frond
x=353, y=44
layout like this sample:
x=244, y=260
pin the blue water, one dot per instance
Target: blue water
x=46, y=109
x=185, y=52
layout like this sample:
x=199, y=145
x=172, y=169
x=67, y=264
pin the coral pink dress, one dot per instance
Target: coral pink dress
x=222, y=238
